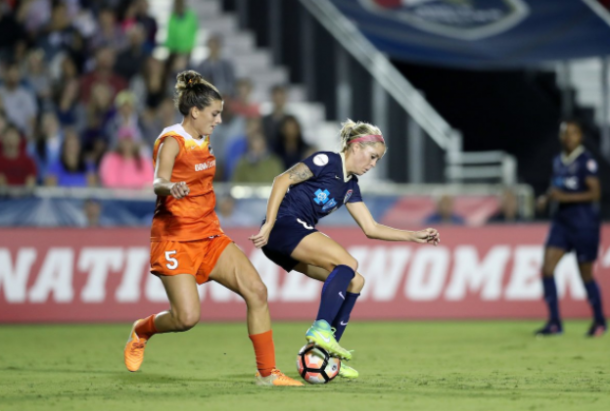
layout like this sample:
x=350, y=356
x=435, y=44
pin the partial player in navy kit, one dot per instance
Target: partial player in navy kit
x=574, y=195
x=313, y=189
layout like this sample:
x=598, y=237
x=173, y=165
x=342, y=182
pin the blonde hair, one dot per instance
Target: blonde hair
x=193, y=91
x=351, y=130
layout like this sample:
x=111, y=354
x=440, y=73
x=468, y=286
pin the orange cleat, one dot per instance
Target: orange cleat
x=277, y=378
x=134, y=350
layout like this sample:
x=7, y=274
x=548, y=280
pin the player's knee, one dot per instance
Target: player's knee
x=187, y=319
x=352, y=263
x=257, y=293
x=357, y=284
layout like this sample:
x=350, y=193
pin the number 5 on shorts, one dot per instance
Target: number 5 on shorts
x=172, y=263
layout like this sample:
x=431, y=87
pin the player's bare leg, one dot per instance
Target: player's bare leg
x=552, y=255
x=183, y=315
x=599, y=325
x=234, y=271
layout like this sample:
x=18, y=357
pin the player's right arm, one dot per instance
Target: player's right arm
x=295, y=175
x=162, y=184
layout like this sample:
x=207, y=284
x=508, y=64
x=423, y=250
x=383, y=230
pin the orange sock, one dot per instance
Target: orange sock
x=264, y=351
x=146, y=328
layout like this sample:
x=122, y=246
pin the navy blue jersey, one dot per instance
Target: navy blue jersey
x=569, y=175
x=325, y=192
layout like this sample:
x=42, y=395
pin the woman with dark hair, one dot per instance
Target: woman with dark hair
x=291, y=147
x=188, y=247
x=71, y=169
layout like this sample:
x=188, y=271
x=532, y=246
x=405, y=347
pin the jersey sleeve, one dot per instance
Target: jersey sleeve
x=590, y=169
x=356, y=195
x=317, y=163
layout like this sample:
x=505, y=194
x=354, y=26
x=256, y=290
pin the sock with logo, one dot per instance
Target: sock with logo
x=595, y=300
x=343, y=317
x=550, y=296
x=334, y=293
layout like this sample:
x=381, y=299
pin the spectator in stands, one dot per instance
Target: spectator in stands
x=234, y=149
x=229, y=216
x=125, y=167
x=258, y=165
x=273, y=120
x=148, y=23
x=12, y=32
x=241, y=103
x=46, y=148
x=216, y=69
x=108, y=33
x=35, y=14
x=233, y=127
x=59, y=33
x=19, y=102
x=154, y=119
x=16, y=167
x=509, y=209
x=181, y=29
x=99, y=110
x=150, y=82
x=71, y=169
x=131, y=60
x=66, y=96
x=92, y=210
x=444, y=213
x=37, y=76
x=125, y=116
x=102, y=73
x=291, y=147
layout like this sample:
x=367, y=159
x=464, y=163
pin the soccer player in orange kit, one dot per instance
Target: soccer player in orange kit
x=188, y=247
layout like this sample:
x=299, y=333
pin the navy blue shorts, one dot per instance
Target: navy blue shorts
x=287, y=233
x=585, y=242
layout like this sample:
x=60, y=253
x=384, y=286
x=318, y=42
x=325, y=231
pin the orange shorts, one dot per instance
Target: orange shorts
x=197, y=258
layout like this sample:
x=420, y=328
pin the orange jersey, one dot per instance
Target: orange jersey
x=192, y=217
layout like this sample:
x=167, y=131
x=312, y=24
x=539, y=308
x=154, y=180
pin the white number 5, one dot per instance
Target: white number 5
x=173, y=261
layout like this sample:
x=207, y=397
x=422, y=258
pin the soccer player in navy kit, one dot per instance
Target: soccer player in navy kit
x=310, y=190
x=574, y=193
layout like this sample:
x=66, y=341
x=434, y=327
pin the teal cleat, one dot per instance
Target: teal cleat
x=322, y=335
x=348, y=372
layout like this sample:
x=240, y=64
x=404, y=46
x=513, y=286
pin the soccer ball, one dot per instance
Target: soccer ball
x=316, y=366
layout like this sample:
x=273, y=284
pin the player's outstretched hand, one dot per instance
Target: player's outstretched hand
x=179, y=190
x=260, y=240
x=428, y=235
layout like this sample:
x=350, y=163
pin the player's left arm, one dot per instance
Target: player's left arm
x=373, y=230
x=593, y=193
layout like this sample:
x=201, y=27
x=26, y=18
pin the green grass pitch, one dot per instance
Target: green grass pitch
x=404, y=366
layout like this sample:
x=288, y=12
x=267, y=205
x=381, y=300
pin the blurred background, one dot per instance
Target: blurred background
x=468, y=93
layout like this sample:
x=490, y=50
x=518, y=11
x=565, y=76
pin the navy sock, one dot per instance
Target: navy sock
x=333, y=293
x=595, y=299
x=343, y=317
x=550, y=296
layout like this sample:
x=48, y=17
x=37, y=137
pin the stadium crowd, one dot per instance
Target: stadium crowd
x=83, y=97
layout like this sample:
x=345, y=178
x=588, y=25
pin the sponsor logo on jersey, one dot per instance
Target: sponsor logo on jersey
x=321, y=196
x=460, y=19
x=205, y=166
x=320, y=160
x=592, y=166
x=331, y=203
x=348, y=195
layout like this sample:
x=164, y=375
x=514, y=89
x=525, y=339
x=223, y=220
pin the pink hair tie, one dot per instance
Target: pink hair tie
x=369, y=138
